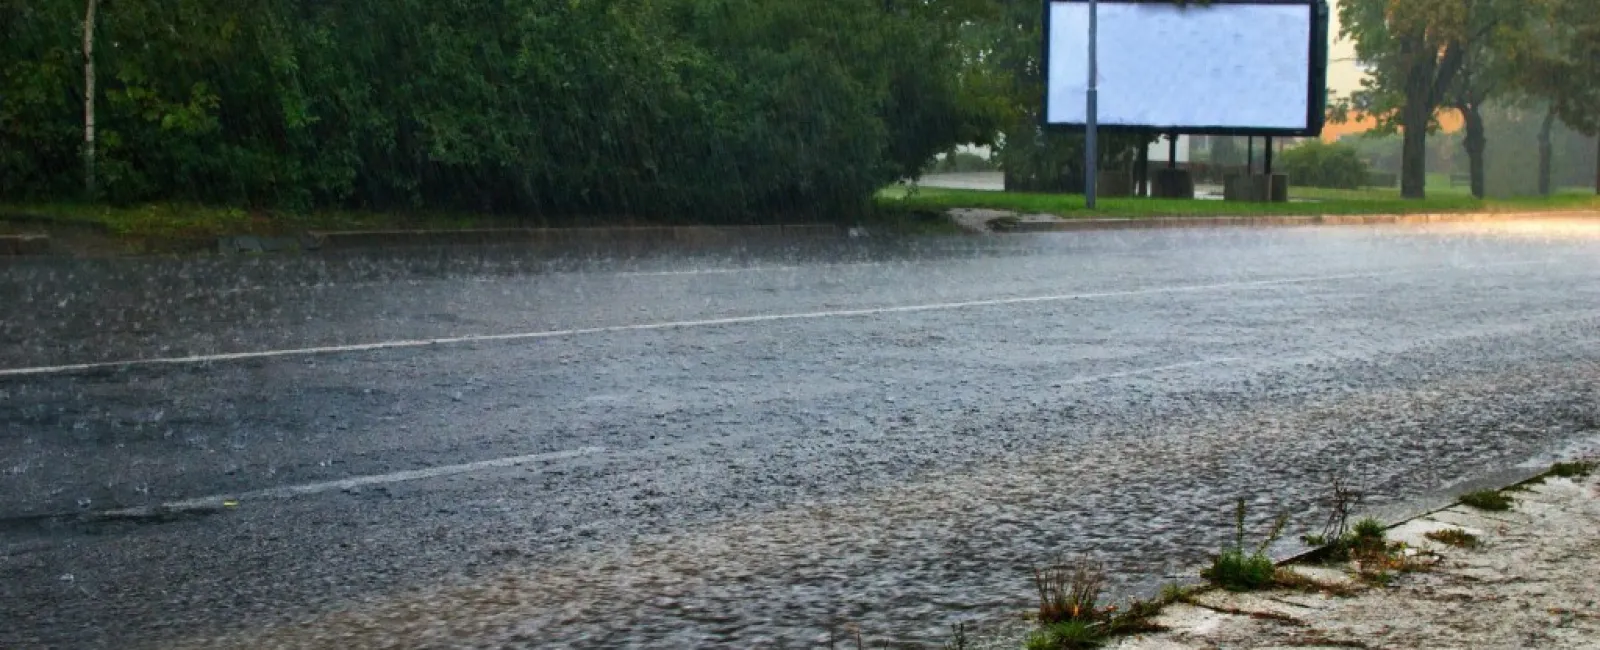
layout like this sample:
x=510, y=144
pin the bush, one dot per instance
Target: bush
x=1315, y=164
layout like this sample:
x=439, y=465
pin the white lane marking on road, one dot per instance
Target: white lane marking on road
x=290, y=491
x=731, y=320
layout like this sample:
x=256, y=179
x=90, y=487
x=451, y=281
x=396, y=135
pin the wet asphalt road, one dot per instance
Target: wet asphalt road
x=740, y=448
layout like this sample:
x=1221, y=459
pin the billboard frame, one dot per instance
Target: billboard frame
x=1316, y=93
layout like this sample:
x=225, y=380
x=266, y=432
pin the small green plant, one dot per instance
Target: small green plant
x=958, y=638
x=1490, y=500
x=1370, y=528
x=1235, y=570
x=1139, y=617
x=1069, y=591
x=1454, y=537
x=1066, y=635
x=1173, y=592
x=1238, y=569
x=1577, y=469
x=1070, y=615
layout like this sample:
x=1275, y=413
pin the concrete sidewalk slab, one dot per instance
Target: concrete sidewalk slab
x=1529, y=584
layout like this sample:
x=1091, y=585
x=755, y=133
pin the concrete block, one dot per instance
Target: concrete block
x=1167, y=183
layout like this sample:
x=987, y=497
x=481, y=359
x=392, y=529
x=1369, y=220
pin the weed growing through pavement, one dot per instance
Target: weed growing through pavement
x=958, y=637
x=1239, y=569
x=1069, y=591
x=1454, y=537
x=1070, y=615
x=1490, y=500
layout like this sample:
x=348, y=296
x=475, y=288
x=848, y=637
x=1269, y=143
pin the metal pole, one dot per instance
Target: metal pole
x=1091, y=144
x=1144, y=171
x=1268, y=168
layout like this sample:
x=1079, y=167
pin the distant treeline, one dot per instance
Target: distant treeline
x=725, y=110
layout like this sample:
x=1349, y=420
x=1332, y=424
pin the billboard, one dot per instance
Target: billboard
x=1232, y=67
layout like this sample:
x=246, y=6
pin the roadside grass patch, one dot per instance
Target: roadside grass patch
x=1578, y=469
x=1318, y=202
x=1488, y=500
x=1454, y=537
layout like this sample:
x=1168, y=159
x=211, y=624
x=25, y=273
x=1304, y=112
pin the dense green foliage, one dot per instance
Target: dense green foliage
x=713, y=109
x=1316, y=164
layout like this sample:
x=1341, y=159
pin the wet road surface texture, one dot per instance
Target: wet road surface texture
x=745, y=448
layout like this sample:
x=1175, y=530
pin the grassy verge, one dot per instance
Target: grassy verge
x=191, y=221
x=1319, y=202
x=170, y=221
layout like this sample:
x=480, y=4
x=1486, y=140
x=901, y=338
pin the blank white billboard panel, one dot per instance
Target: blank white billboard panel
x=1226, y=67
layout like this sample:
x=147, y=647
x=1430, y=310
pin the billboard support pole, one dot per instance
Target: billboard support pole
x=1172, y=151
x=1268, y=168
x=1091, y=145
x=1143, y=188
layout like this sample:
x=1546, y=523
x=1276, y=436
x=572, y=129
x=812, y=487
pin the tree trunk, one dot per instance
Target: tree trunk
x=1475, y=143
x=88, y=99
x=1546, y=151
x=1414, y=152
x=1428, y=76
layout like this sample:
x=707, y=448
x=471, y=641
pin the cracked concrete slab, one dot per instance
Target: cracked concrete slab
x=1529, y=585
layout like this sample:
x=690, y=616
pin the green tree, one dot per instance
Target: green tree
x=1564, y=69
x=1415, y=50
x=711, y=109
x=1498, y=53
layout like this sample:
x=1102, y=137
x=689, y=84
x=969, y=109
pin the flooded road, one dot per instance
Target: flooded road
x=746, y=447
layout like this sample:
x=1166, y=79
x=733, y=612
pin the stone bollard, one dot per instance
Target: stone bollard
x=1256, y=188
x=1169, y=183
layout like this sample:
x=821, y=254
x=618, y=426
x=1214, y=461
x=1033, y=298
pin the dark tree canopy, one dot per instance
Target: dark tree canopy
x=715, y=109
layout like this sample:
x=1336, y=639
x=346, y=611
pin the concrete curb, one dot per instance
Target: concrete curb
x=1079, y=225
x=15, y=245
x=1502, y=480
